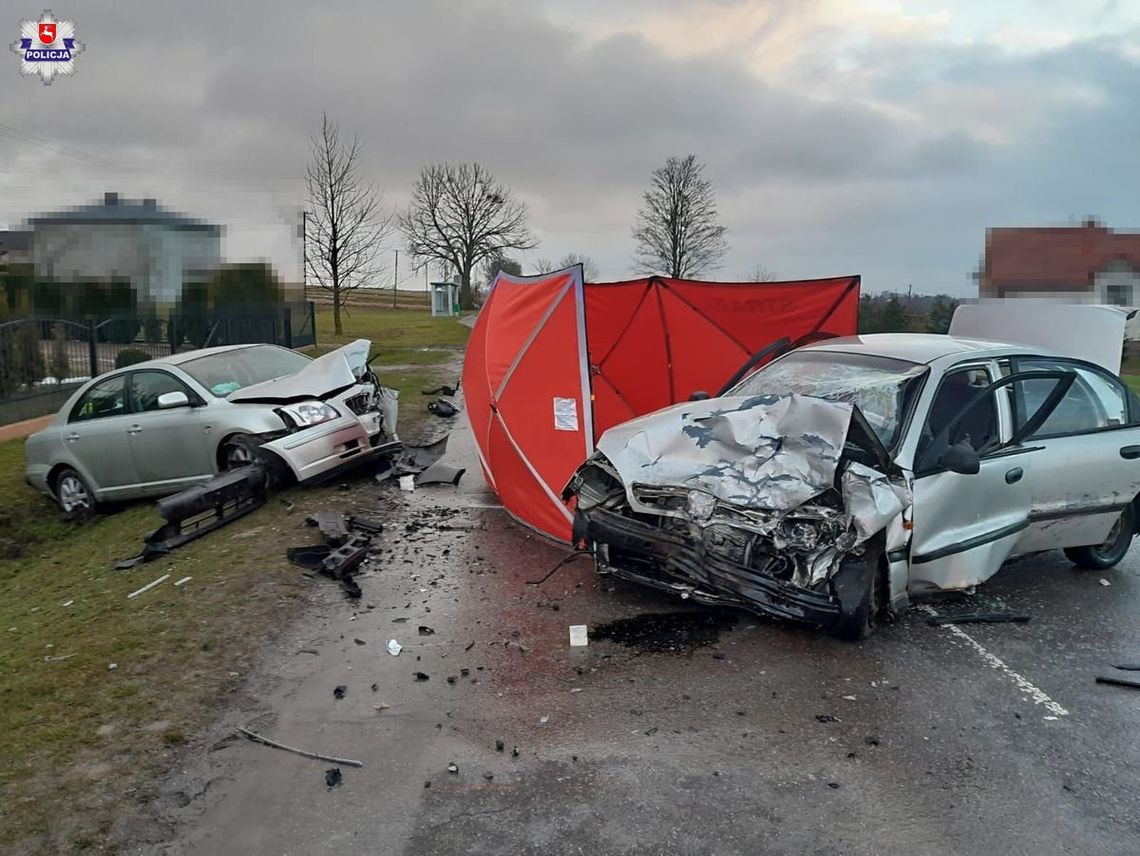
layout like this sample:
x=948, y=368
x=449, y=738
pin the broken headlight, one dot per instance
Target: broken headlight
x=701, y=505
x=309, y=413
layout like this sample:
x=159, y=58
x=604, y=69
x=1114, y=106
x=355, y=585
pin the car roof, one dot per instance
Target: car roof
x=185, y=356
x=923, y=348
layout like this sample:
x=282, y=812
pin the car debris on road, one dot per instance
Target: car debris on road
x=258, y=738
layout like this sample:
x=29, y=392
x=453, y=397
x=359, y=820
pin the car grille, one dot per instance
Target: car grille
x=359, y=404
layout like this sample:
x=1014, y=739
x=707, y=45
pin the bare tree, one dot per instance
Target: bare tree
x=461, y=215
x=544, y=266
x=760, y=273
x=345, y=223
x=677, y=231
x=589, y=266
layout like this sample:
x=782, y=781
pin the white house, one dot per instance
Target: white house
x=137, y=240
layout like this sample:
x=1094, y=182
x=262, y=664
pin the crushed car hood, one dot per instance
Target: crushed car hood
x=324, y=376
x=765, y=452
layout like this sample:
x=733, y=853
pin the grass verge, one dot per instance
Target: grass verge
x=82, y=740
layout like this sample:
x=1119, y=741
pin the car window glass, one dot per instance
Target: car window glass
x=979, y=427
x=1094, y=401
x=106, y=398
x=228, y=371
x=146, y=387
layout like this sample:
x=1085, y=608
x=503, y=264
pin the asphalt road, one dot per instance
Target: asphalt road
x=744, y=738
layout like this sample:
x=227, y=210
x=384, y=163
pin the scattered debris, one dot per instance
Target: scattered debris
x=420, y=676
x=408, y=483
x=827, y=717
x=348, y=541
x=201, y=509
x=424, y=630
x=257, y=738
x=443, y=389
x=1104, y=582
x=359, y=641
x=440, y=473
x=1128, y=667
x=149, y=586
x=849, y=698
x=443, y=408
x=183, y=581
x=833, y=785
x=515, y=752
x=112, y=667
x=499, y=745
x=453, y=768
x=871, y=740
x=470, y=645
x=1119, y=682
x=451, y=679
x=978, y=618
x=544, y=719
x=333, y=777
x=68, y=602
x=565, y=560
x=489, y=776
x=333, y=526
x=338, y=692
x=383, y=706
x=58, y=659
x=394, y=647
x=578, y=636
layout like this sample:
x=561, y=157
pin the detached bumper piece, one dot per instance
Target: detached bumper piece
x=201, y=509
x=348, y=540
x=646, y=554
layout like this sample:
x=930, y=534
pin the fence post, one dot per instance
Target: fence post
x=313, y=319
x=288, y=326
x=172, y=332
x=92, y=346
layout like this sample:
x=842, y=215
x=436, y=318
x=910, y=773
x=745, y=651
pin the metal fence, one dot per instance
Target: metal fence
x=43, y=360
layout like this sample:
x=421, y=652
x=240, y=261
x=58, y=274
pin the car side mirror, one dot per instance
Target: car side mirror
x=962, y=459
x=699, y=395
x=173, y=399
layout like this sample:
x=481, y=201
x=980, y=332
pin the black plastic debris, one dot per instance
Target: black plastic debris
x=366, y=524
x=451, y=679
x=489, y=776
x=420, y=676
x=308, y=557
x=978, y=618
x=1118, y=682
x=442, y=389
x=827, y=717
x=338, y=692
x=499, y=745
x=443, y=408
x=871, y=740
x=424, y=630
x=333, y=526
x=333, y=777
x=359, y=641
x=1127, y=667
x=201, y=509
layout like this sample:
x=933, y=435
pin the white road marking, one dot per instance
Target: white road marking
x=1038, y=695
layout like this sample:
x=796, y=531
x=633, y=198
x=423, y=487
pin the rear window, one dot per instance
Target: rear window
x=229, y=371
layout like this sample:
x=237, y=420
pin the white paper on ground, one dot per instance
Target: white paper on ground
x=578, y=635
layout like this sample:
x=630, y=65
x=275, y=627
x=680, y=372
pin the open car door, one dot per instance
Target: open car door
x=972, y=505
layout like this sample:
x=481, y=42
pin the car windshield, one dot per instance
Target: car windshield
x=880, y=387
x=230, y=371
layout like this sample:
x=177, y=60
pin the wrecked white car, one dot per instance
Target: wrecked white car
x=843, y=478
x=158, y=427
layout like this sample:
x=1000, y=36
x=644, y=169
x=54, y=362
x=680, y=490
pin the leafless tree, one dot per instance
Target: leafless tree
x=589, y=266
x=544, y=266
x=345, y=222
x=760, y=273
x=678, y=232
x=461, y=215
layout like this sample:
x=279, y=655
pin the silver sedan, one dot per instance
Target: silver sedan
x=158, y=427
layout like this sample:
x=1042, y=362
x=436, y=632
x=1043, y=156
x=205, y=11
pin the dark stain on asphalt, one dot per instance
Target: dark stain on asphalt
x=665, y=632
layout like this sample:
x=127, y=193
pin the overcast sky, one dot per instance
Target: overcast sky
x=842, y=136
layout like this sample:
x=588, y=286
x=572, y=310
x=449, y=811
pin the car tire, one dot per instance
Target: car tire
x=242, y=450
x=73, y=495
x=859, y=587
x=1101, y=557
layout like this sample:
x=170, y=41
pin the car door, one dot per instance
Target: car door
x=96, y=437
x=1089, y=465
x=966, y=525
x=168, y=445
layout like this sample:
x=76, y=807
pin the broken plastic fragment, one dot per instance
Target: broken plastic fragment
x=394, y=647
x=333, y=777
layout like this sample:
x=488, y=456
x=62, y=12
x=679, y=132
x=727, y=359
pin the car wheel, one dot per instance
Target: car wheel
x=73, y=495
x=241, y=450
x=859, y=586
x=1100, y=557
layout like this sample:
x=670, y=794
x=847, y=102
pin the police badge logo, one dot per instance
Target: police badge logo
x=47, y=47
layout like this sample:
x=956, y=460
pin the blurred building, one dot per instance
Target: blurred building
x=157, y=250
x=16, y=247
x=1087, y=264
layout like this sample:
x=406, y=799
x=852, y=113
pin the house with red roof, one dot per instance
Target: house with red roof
x=1088, y=263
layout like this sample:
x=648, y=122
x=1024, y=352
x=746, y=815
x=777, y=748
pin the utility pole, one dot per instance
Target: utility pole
x=304, y=256
x=395, y=279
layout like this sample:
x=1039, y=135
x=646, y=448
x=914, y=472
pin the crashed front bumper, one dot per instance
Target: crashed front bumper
x=647, y=554
x=319, y=452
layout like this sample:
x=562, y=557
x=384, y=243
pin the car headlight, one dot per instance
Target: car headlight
x=310, y=413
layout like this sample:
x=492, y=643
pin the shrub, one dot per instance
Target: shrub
x=130, y=356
